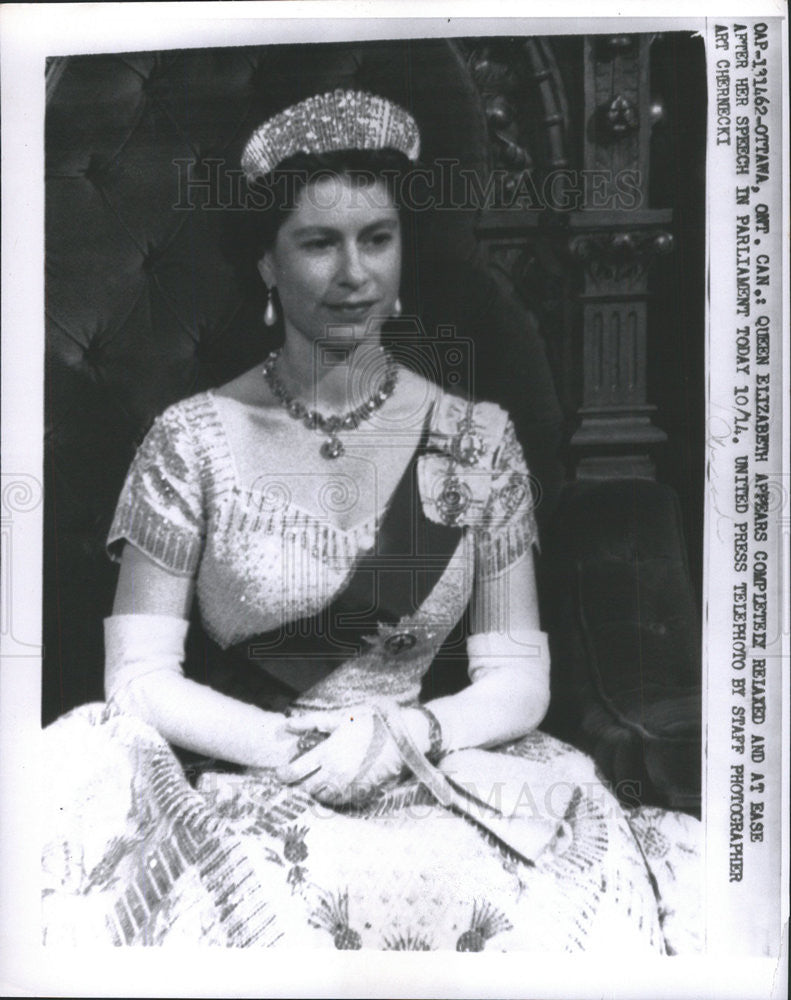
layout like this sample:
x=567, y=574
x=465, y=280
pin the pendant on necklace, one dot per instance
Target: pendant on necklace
x=332, y=448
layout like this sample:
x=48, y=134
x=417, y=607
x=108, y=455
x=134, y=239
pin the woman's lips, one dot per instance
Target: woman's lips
x=351, y=310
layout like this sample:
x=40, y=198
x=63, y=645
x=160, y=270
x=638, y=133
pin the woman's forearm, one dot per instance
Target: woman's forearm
x=197, y=718
x=502, y=705
x=508, y=664
x=144, y=677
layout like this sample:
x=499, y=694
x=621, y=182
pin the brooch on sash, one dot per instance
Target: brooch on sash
x=401, y=639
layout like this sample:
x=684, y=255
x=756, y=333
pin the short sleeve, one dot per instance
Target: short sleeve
x=508, y=527
x=160, y=510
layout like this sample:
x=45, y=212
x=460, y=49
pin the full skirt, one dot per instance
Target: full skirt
x=136, y=855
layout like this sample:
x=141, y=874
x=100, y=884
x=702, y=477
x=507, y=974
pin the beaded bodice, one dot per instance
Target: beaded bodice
x=261, y=560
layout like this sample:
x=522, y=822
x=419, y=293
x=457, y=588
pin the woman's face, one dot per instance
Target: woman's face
x=336, y=260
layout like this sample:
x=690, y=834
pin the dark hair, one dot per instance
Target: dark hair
x=277, y=194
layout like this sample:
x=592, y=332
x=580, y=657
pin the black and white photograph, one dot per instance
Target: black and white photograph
x=396, y=564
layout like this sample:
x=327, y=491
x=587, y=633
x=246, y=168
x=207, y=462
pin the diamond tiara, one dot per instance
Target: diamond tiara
x=339, y=119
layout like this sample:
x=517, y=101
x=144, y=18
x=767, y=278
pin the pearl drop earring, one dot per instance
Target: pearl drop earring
x=270, y=313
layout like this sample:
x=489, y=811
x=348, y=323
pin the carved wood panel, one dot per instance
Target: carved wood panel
x=570, y=125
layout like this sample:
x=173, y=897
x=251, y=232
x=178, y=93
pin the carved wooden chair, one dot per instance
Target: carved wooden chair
x=145, y=305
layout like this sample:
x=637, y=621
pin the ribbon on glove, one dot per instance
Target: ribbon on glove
x=518, y=801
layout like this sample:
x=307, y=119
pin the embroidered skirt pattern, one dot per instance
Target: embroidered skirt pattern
x=137, y=856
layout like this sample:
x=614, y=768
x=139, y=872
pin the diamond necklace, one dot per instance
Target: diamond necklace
x=331, y=426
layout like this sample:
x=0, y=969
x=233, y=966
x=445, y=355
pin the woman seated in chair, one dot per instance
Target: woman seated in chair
x=336, y=517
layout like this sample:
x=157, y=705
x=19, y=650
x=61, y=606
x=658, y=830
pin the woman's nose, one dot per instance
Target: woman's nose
x=352, y=267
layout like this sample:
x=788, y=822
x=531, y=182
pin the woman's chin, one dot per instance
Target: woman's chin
x=368, y=329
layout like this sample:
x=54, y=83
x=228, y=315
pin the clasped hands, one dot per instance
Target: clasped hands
x=357, y=755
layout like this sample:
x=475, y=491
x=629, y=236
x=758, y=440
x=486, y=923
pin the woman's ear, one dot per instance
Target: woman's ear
x=266, y=270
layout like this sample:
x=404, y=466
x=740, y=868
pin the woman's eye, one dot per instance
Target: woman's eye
x=382, y=239
x=319, y=243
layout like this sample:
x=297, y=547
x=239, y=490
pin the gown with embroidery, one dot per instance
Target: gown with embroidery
x=136, y=855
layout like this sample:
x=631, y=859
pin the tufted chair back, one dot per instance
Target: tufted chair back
x=147, y=302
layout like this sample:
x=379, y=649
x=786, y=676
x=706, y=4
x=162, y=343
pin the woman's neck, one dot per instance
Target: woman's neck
x=331, y=379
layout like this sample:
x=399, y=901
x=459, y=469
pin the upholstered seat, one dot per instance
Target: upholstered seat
x=625, y=635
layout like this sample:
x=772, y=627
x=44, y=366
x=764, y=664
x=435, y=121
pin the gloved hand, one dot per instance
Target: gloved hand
x=357, y=756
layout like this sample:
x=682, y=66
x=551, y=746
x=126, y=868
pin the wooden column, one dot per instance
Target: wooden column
x=614, y=238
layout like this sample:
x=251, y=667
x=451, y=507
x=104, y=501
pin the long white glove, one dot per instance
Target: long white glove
x=509, y=694
x=144, y=677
